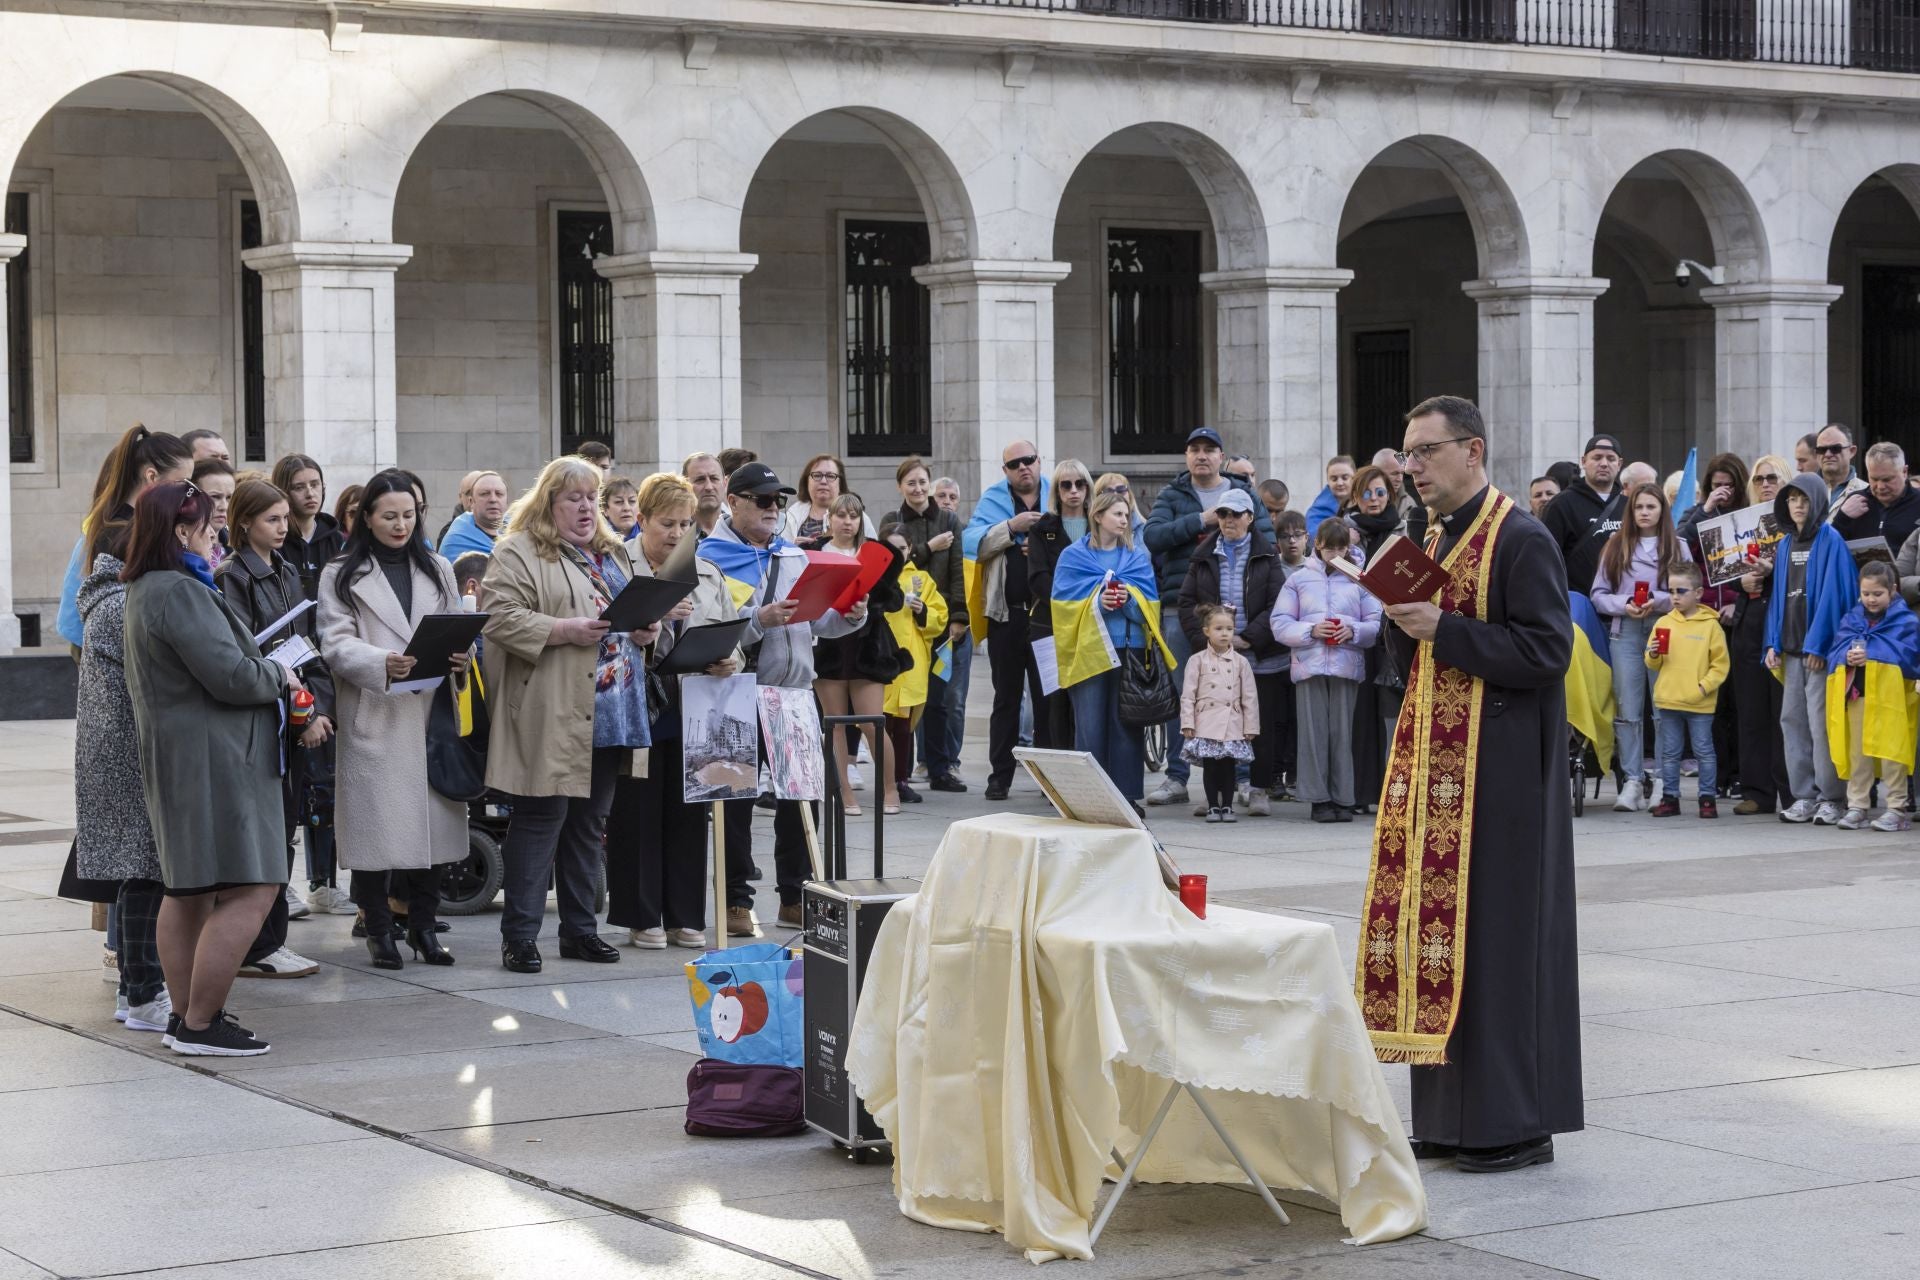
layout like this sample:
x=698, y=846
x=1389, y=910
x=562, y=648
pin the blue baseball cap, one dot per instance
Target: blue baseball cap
x=1208, y=434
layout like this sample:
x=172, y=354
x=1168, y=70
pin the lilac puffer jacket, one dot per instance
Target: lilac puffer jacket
x=1309, y=595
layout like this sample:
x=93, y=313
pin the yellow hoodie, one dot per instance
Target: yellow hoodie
x=1695, y=664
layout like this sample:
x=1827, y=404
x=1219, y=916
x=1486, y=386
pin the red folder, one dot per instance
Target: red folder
x=875, y=559
x=826, y=576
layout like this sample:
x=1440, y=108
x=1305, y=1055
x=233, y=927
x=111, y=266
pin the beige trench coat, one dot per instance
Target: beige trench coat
x=541, y=698
x=386, y=817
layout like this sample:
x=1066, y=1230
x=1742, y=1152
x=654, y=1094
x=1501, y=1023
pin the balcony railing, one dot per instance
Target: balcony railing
x=1881, y=35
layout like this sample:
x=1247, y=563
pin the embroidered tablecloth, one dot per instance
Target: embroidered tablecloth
x=1023, y=1015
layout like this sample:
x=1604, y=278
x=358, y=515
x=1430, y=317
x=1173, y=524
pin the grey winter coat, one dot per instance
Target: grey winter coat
x=206, y=705
x=113, y=840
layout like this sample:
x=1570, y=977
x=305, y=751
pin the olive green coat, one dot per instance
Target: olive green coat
x=206, y=709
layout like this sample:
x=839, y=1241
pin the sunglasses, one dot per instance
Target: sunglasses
x=1073, y=484
x=1115, y=488
x=1016, y=464
x=1831, y=448
x=1232, y=513
x=1768, y=478
x=768, y=501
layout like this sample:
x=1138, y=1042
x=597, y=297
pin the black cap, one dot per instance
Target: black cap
x=1208, y=434
x=756, y=477
x=1603, y=442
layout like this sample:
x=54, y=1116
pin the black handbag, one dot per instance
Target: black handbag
x=456, y=766
x=1147, y=696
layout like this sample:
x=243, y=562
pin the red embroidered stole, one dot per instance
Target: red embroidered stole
x=1414, y=932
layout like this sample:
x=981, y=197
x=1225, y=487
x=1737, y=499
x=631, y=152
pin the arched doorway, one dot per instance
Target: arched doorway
x=1873, y=333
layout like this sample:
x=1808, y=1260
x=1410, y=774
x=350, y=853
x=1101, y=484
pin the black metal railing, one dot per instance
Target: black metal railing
x=1880, y=35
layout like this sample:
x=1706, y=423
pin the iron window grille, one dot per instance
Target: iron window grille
x=1154, y=339
x=888, y=373
x=19, y=337
x=253, y=343
x=585, y=328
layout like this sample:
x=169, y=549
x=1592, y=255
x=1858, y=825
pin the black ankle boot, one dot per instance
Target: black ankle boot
x=385, y=954
x=426, y=947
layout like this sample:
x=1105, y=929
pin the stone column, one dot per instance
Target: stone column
x=1536, y=370
x=676, y=354
x=1770, y=380
x=11, y=247
x=1277, y=368
x=328, y=320
x=992, y=355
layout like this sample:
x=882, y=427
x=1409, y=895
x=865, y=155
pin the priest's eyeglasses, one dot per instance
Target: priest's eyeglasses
x=1425, y=452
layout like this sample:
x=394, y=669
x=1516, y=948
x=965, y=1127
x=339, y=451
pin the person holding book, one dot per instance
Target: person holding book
x=1327, y=620
x=1687, y=652
x=1872, y=710
x=1629, y=592
x=1219, y=709
x=1888, y=507
x=1814, y=584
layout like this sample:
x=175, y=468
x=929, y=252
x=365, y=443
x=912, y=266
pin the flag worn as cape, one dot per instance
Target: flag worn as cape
x=1832, y=586
x=1082, y=647
x=995, y=505
x=1890, y=706
x=1590, y=707
x=744, y=567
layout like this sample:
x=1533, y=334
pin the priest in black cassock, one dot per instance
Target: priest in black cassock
x=1467, y=967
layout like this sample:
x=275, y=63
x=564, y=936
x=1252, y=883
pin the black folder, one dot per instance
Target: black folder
x=644, y=601
x=438, y=637
x=698, y=648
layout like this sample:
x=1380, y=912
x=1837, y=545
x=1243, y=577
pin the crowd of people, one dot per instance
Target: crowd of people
x=1214, y=614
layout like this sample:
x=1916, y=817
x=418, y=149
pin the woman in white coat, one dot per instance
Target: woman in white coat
x=394, y=831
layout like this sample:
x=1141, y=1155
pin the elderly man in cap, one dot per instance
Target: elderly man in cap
x=1587, y=511
x=761, y=569
x=1184, y=512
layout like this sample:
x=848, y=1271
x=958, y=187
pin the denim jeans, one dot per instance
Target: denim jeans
x=959, y=681
x=1178, y=770
x=1120, y=751
x=1628, y=651
x=1676, y=730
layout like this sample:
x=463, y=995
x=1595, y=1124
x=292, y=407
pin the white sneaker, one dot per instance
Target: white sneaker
x=920, y=770
x=326, y=900
x=151, y=1016
x=647, y=939
x=693, y=939
x=119, y=1006
x=1893, y=820
x=1854, y=820
x=1632, y=798
x=1170, y=792
x=281, y=964
x=109, y=967
x=1243, y=797
x=854, y=779
x=1828, y=814
x=297, y=908
x=1798, y=811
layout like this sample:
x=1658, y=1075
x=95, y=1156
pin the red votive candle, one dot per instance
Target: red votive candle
x=1193, y=894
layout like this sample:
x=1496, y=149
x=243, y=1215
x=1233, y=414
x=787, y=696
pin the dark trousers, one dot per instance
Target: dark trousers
x=1014, y=675
x=741, y=870
x=1275, y=694
x=1726, y=736
x=1218, y=777
x=139, y=916
x=792, y=865
x=1763, y=758
x=1059, y=713
x=657, y=848
x=420, y=890
x=558, y=836
x=943, y=700
x=900, y=738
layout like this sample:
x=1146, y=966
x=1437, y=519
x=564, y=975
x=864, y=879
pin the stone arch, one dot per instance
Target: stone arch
x=1499, y=227
x=1733, y=218
x=1239, y=225
x=273, y=185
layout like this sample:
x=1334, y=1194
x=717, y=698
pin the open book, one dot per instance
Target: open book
x=1399, y=573
x=1081, y=791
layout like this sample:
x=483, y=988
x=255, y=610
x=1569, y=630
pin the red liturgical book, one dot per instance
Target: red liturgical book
x=875, y=559
x=827, y=575
x=1401, y=573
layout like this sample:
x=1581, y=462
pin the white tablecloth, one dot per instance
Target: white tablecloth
x=1024, y=1014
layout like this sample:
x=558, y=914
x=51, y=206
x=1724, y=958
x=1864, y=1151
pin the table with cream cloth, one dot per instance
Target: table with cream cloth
x=1026, y=1013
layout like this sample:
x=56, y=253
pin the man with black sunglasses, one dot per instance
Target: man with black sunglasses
x=1833, y=451
x=1009, y=508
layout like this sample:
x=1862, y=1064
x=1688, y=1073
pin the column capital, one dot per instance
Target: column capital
x=1500, y=288
x=12, y=246
x=1793, y=293
x=295, y=255
x=1277, y=280
x=992, y=271
x=676, y=263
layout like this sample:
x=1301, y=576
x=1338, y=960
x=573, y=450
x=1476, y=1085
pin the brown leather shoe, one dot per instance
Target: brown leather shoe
x=1747, y=808
x=790, y=915
x=741, y=924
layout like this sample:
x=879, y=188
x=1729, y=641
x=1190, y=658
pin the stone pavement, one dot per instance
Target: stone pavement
x=1751, y=996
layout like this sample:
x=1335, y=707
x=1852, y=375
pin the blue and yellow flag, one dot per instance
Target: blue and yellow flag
x=1083, y=647
x=1889, y=706
x=1590, y=679
x=745, y=568
x=995, y=505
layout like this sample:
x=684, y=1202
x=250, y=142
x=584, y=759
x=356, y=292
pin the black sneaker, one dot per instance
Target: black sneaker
x=223, y=1038
x=997, y=791
x=909, y=796
x=173, y=1029
x=946, y=782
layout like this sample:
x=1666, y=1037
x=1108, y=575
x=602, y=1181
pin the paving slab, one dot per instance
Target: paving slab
x=1402, y=1260
x=83, y=1000
x=154, y=1117
x=15, y=1267
x=39, y=1058
x=223, y=1208
x=607, y=1247
x=1599, y=1173
x=1636, y=926
x=1890, y=894
x=365, y=1029
x=1611, y=983
x=429, y=1091
x=1853, y=1124
x=43, y=915
x=627, y=1007
x=1618, y=1061
x=1859, y=1232
x=1889, y=957
x=1850, y=1028
x=68, y=951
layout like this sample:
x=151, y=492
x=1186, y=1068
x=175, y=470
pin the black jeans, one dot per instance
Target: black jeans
x=741, y=870
x=1014, y=675
x=657, y=848
x=140, y=976
x=792, y=864
x=420, y=890
x=1273, y=750
x=558, y=836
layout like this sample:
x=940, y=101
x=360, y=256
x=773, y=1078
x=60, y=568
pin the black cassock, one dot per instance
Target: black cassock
x=1513, y=1061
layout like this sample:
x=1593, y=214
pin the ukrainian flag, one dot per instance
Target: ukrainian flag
x=1590, y=679
x=745, y=568
x=1082, y=647
x=995, y=505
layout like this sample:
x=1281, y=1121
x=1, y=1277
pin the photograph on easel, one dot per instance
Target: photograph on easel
x=790, y=723
x=719, y=722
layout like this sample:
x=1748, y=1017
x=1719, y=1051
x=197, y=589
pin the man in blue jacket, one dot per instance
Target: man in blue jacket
x=1184, y=512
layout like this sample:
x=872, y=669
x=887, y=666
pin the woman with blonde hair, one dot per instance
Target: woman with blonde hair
x=570, y=702
x=1762, y=767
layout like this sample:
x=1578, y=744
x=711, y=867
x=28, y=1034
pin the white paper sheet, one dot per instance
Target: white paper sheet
x=292, y=652
x=282, y=620
x=1047, y=659
x=415, y=686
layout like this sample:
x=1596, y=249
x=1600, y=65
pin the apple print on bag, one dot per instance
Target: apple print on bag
x=748, y=1004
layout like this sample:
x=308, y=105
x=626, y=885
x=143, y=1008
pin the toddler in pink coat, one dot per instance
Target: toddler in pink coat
x=1219, y=710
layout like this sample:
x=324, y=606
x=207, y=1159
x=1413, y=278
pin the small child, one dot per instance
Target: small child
x=1219, y=711
x=1687, y=653
x=916, y=624
x=1874, y=658
x=1328, y=620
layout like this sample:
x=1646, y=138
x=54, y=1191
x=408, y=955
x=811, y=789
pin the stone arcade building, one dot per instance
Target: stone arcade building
x=447, y=233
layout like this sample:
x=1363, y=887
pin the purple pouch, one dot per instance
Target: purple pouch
x=744, y=1100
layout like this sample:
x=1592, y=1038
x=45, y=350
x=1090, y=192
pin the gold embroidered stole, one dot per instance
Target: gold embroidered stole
x=1414, y=932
